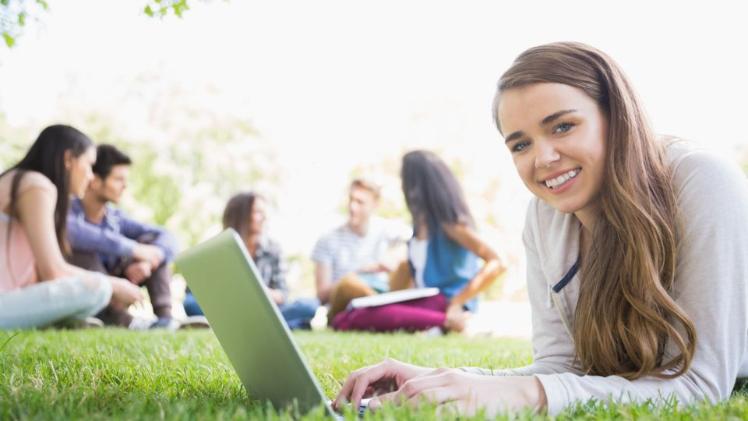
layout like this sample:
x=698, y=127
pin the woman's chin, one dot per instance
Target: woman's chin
x=563, y=206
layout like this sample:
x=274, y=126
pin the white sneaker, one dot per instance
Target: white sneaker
x=432, y=332
x=166, y=323
x=140, y=323
x=90, y=322
x=194, y=322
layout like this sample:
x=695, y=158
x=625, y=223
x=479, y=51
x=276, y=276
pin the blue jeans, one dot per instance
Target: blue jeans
x=297, y=314
x=191, y=308
x=44, y=303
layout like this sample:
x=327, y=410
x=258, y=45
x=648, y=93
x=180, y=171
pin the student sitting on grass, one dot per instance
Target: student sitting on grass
x=355, y=259
x=636, y=251
x=104, y=239
x=443, y=253
x=37, y=286
x=246, y=214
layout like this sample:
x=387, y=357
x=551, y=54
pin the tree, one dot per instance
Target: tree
x=161, y=8
x=15, y=14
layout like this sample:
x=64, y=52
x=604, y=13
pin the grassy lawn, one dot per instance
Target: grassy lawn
x=96, y=374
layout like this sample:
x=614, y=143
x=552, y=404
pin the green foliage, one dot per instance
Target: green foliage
x=159, y=191
x=183, y=180
x=9, y=40
x=180, y=180
x=161, y=8
x=14, y=15
x=386, y=173
x=13, y=143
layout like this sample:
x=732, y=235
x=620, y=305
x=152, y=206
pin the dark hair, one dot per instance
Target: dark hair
x=47, y=156
x=107, y=156
x=432, y=193
x=624, y=315
x=237, y=213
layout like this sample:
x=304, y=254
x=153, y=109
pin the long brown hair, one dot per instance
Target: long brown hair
x=47, y=156
x=238, y=211
x=624, y=315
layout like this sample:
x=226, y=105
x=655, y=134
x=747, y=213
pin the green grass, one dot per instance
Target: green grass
x=112, y=373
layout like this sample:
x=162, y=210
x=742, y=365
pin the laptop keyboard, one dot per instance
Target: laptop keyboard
x=362, y=408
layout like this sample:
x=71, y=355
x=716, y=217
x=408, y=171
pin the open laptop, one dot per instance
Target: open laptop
x=249, y=326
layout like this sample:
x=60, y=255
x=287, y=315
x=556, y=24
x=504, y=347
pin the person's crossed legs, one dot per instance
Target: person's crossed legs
x=158, y=285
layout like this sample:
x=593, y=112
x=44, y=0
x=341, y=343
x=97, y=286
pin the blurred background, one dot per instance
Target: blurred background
x=294, y=98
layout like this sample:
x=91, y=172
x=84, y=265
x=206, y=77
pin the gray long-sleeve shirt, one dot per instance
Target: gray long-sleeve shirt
x=711, y=286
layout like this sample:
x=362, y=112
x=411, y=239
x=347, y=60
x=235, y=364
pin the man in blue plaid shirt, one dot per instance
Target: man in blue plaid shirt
x=105, y=239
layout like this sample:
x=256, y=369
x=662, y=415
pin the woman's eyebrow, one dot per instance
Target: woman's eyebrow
x=551, y=118
x=547, y=120
x=514, y=136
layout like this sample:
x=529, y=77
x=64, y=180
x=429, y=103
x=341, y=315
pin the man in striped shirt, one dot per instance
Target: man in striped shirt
x=355, y=258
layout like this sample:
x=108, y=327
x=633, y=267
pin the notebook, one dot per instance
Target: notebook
x=393, y=297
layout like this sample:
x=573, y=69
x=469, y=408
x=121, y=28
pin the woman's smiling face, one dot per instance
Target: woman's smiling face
x=556, y=134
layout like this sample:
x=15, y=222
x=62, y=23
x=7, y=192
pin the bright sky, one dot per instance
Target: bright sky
x=337, y=83
x=319, y=71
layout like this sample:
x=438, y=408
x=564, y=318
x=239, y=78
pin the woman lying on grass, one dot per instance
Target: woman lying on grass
x=636, y=249
x=37, y=286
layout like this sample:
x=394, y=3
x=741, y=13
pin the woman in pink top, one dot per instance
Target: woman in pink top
x=37, y=286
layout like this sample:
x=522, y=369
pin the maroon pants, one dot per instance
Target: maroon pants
x=420, y=314
x=158, y=285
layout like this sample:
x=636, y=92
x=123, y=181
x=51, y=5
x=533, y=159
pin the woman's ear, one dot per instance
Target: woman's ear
x=67, y=159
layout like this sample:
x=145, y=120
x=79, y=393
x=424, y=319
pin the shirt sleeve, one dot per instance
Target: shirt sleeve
x=321, y=251
x=279, y=270
x=397, y=232
x=148, y=234
x=87, y=237
x=710, y=286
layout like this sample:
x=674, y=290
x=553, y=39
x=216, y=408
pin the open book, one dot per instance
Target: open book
x=393, y=297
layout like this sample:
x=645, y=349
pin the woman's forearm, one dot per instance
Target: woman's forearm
x=491, y=270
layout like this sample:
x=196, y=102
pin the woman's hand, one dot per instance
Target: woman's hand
x=277, y=296
x=458, y=392
x=124, y=292
x=456, y=318
x=148, y=253
x=375, y=268
x=373, y=380
x=138, y=272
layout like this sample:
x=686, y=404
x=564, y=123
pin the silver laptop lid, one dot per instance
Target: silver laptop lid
x=227, y=285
